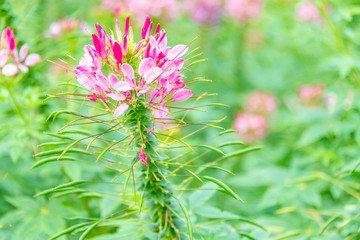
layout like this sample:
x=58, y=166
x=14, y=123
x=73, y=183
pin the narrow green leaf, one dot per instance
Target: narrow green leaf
x=71, y=184
x=226, y=188
x=188, y=222
x=51, y=159
x=64, y=193
x=219, y=104
x=87, y=231
x=224, y=170
x=58, y=136
x=241, y=152
x=231, y=143
x=228, y=131
x=68, y=148
x=103, y=152
x=214, y=126
x=213, y=149
x=77, y=131
x=68, y=230
x=51, y=190
x=57, y=151
x=194, y=175
x=327, y=224
x=62, y=112
x=72, y=84
x=50, y=144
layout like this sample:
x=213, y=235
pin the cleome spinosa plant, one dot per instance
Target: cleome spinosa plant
x=129, y=93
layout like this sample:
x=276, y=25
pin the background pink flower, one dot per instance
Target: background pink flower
x=262, y=103
x=250, y=126
x=243, y=10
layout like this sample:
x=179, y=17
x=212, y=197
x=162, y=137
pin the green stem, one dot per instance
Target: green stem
x=157, y=191
x=16, y=104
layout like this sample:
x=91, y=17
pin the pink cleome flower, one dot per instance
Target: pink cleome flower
x=11, y=60
x=262, y=103
x=308, y=12
x=149, y=69
x=66, y=25
x=310, y=94
x=250, y=126
x=243, y=10
x=204, y=11
x=167, y=9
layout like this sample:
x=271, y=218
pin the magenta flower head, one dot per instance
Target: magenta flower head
x=11, y=59
x=118, y=70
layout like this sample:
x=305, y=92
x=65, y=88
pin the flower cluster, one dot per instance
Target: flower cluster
x=243, y=10
x=252, y=123
x=308, y=12
x=115, y=68
x=310, y=94
x=204, y=11
x=11, y=59
x=167, y=9
x=66, y=25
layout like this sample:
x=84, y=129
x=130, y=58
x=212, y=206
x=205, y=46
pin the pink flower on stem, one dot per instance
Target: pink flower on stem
x=262, y=103
x=66, y=25
x=159, y=80
x=250, y=126
x=243, y=10
x=308, y=12
x=12, y=60
x=165, y=9
x=310, y=94
x=204, y=11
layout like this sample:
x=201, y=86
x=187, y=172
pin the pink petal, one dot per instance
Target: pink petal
x=116, y=96
x=3, y=57
x=9, y=70
x=23, y=52
x=113, y=79
x=102, y=80
x=145, y=28
x=121, y=109
x=23, y=68
x=126, y=28
x=122, y=86
x=117, y=52
x=177, y=51
x=32, y=59
x=145, y=66
x=128, y=70
x=182, y=95
x=152, y=75
x=84, y=81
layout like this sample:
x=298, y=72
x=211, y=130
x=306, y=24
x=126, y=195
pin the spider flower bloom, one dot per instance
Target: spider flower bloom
x=310, y=94
x=204, y=11
x=12, y=59
x=250, y=126
x=167, y=9
x=309, y=12
x=66, y=25
x=262, y=103
x=243, y=10
x=118, y=70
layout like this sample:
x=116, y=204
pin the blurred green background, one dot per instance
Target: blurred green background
x=304, y=59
